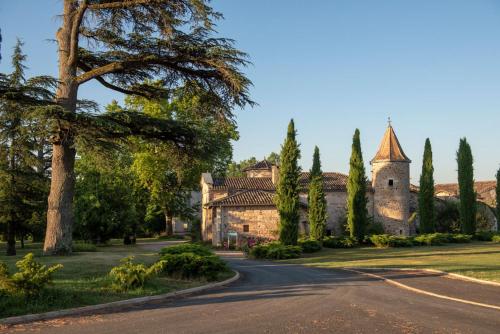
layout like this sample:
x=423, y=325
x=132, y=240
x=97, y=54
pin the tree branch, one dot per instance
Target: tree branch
x=75, y=29
x=106, y=84
x=120, y=4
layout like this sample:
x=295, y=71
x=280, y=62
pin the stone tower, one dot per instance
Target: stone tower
x=391, y=185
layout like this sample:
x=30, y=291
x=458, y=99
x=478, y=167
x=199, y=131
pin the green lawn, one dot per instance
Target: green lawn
x=83, y=279
x=478, y=259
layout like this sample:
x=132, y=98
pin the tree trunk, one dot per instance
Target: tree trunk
x=169, y=224
x=22, y=240
x=60, y=217
x=11, y=238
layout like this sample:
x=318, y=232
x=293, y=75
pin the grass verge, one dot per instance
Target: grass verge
x=83, y=280
x=478, y=259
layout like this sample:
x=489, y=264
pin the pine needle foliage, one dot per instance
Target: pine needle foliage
x=357, y=214
x=426, y=209
x=498, y=196
x=287, y=192
x=468, y=196
x=316, y=200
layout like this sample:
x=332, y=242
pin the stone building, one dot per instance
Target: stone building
x=235, y=207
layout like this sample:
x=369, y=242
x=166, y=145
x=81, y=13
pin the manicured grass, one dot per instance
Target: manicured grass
x=477, y=259
x=83, y=280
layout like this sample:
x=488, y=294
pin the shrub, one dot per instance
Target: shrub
x=460, y=238
x=130, y=275
x=197, y=249
x=339, y=242
x=84, y=247
x=191, y=265
x=275, y=251
x=484, y=235
x=310, y=246
x=374, y=227
x=385, y=240
x=30, y=278
x=433, y=239
x=496, y=238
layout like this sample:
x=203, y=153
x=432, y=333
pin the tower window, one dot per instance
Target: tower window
x=246, y=228
x=391, y=182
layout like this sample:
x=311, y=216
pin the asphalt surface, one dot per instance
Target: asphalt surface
x=281, y=298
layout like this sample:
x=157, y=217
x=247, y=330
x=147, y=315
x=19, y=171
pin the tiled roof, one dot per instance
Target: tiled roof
x=485, y=190
x=390, y=148
x=246, y=198
x=243, y=183
x=264, y=164
x=331, y=182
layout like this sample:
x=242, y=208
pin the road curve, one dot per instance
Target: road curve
x=281, y=298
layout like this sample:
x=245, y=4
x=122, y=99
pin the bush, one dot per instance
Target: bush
x=385, y=240
x=197, y=249
x=84, y=247
x=310, y=246
x=275, y=251
x=460, y=238
x=374, y=227
x=433, y=239
x=30, y=279
x=496, y=238
x=130, y=275
x=339, y=242
x=484, y=236
x=191, y=265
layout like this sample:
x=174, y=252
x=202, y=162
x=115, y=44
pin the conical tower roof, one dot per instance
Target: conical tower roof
x=390, y=148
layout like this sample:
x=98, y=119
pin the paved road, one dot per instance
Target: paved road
x=280, y=298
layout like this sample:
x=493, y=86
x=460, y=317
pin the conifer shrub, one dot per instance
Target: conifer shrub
x=433, y=239
x=496, y=238
x=339, y=242
x=484, y=235
x=460, y=238
x=275, y=251
x=197, y=249
x=386, y=240
x=130, y=275
x=310, y=246
x=30, y=279
x=193, y=266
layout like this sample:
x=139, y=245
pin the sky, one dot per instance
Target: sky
x=432, y=66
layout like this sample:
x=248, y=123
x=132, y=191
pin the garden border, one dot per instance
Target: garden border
x=126, y=302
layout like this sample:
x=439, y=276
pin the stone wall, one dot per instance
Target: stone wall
x=391, y=183
x=262, y=221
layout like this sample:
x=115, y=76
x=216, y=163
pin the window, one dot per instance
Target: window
x=391, y=182
x=246, y=228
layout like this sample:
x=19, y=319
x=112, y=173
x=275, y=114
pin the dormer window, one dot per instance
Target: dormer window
x=391, y=182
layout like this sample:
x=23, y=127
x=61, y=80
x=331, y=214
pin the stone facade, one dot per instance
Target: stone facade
x=245, y=206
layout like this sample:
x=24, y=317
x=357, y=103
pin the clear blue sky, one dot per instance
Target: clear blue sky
x=433, y=66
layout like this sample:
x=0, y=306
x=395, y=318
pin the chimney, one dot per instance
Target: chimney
x=275, y=174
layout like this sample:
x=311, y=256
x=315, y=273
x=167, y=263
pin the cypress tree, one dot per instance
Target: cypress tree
x=357, y=214
x=316, y=200
x=498, y=197
x=466, y=188
x=426, y=194
x=287, y=192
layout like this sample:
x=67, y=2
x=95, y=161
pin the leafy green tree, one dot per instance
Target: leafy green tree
x=316, y=200
x=426, y=208
x=287, y=191
x=468, y=197
x=22, y=183
x=170, y=173
x=125, y=46
x=357, y=214
x=105, y=201
x=498, y=197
